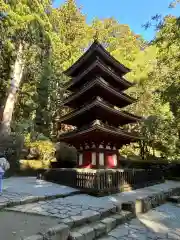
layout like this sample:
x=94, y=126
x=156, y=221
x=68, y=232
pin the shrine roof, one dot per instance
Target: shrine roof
x=96, y=131
x=98, y=68
x=96, y=49
x=98, y=109
x=109, y=93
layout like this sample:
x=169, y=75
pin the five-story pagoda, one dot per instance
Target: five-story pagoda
x=97, y=85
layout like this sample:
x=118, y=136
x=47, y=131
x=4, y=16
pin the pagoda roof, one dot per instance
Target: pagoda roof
x=101, y=87
x=96, y=49
x=96, y=131
x=98, y=109
x=98, y=68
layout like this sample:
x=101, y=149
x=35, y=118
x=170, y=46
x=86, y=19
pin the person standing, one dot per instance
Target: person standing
x=4, y=166
x=1, y=179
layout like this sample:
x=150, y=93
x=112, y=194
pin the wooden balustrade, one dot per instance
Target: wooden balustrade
x=105, y=181
x=117, y=180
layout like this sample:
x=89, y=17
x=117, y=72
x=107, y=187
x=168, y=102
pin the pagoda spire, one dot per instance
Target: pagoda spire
x=96, y=36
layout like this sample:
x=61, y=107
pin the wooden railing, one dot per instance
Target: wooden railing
x=105, y=181
x=117, y=180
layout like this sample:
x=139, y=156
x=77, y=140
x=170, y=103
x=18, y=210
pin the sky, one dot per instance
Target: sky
x=135, y=13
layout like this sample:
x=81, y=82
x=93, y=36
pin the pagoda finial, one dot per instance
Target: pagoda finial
x=96, y=36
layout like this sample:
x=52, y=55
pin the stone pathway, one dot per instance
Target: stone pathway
x=19, y=190
x=32, y=186
x=77, y=210
x=69, y=207
x=144, y=192
x=161, y=223
x=12, y=197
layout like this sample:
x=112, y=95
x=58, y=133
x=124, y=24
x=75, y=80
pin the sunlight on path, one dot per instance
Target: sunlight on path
x=30, y=185
x=162, y=223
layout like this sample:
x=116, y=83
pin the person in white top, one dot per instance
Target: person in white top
x=1, y=178
x=4, y=166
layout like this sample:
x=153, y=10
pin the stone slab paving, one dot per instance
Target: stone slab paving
x=82, y=204
x=24, y=189
x=30, y=185
x=19, y=190
x=12, y=198
x=72, y=207
x=161, y=223
x=144, y=192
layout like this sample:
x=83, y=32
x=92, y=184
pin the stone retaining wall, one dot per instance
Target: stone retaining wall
x=146, y=203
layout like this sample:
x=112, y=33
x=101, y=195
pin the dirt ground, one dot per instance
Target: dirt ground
x=15, y=225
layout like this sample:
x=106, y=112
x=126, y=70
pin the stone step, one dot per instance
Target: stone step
x=89, y=216
x=101, y=227
x=10, y=199
x=174, y=199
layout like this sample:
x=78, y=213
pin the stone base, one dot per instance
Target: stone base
x=174, y=199
x=145, y=204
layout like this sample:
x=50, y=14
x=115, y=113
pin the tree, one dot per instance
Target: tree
x=37, y=43
x=69, y=39
x=70, y=25
x=161, y=128
x=24, y=25
x=118, y=38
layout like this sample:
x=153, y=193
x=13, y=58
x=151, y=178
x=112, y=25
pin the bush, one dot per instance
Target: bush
x=40, y=150
x=34, y=164
x=66, y=156
x=11, y=147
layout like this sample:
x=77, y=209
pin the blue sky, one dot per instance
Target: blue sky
x=131, y=12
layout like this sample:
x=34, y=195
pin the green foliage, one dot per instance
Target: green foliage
x=65, y=155
x=156, y=72
x=119, y=40
x=11, y=147
x=44, y=147
x=167, y=73
x=53, y=39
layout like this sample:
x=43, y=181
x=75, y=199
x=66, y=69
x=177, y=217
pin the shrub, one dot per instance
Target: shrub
x=34, y=164
x=11, y=147
x=40, y=149
x=66, y=156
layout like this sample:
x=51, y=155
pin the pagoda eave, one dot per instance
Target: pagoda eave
x=98, y=68
x=98, y=109
x=98, y=87
x=96, y=133
x=97, y=50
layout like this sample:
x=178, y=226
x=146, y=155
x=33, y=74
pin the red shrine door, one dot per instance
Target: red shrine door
x=111, y=160
x=87, y=159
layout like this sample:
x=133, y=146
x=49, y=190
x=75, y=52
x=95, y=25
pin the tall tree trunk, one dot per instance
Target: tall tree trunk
x=42, y=119
x=17, y=72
